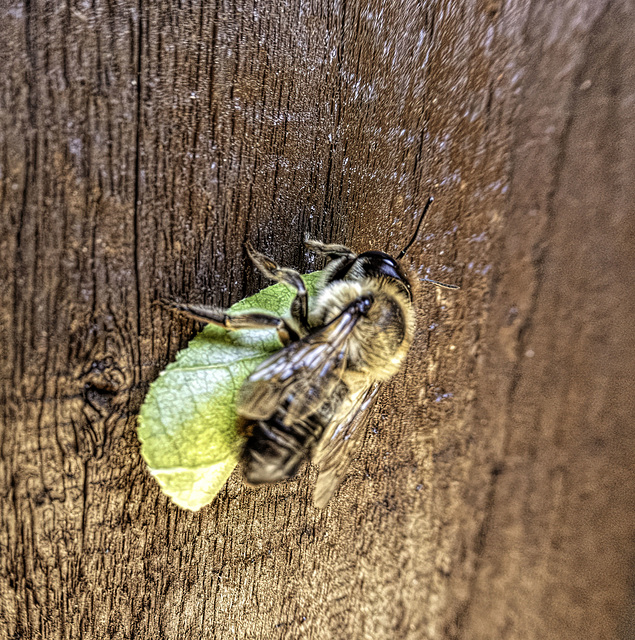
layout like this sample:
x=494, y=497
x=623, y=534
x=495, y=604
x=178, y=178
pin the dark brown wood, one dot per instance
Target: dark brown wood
x=141, y=145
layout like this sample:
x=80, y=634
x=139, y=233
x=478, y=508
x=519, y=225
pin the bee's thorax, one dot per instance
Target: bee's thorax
x=381, y=338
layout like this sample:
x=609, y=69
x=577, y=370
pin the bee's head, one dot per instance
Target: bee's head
x=377, y=264
x=373, y=264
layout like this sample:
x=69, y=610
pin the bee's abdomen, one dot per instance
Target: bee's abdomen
x=275, y=450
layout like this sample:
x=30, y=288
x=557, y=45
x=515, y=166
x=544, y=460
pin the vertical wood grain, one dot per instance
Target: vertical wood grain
x=141, y=145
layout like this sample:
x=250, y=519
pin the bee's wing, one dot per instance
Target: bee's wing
x=301, y=375
x=339, y=444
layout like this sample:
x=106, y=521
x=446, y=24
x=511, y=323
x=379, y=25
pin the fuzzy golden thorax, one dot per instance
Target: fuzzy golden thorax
x=381, y=339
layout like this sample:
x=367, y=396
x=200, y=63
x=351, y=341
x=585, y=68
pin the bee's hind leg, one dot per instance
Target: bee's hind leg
x=300, y=304
x=246, y=320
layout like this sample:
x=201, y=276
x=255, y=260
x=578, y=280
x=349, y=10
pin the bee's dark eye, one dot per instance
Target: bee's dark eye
x=376, y=264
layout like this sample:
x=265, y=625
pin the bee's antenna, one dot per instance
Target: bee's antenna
x=402, y=253
x=440, y=284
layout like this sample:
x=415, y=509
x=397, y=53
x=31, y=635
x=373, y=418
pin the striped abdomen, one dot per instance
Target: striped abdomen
x=274, y=451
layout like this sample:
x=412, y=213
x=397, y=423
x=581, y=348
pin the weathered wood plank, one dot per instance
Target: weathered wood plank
x=142, y=143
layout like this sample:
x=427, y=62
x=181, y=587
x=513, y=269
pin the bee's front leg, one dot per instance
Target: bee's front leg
x=300, y=304
x=246, y=320
x=331, y=251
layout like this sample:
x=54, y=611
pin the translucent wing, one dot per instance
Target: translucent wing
x=340, y=442
x=302, y=375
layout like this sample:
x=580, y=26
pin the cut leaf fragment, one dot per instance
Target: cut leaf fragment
x=187, y=424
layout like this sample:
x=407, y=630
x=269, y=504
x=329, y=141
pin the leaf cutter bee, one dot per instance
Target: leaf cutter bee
x=310, y=399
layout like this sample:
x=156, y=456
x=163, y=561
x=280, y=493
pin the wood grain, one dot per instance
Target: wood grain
x=141, y=145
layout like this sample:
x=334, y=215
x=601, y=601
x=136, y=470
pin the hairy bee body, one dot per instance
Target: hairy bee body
x=309, y=399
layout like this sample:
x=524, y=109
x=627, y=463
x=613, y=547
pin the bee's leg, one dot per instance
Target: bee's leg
x=300, y=304
x=247, y=320
x=341, y=258
x=332, y=251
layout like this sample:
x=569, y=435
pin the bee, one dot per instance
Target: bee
x=310, y=399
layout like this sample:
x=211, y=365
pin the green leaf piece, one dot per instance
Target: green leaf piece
x=187, y=424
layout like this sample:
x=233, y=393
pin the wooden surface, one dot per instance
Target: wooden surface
x=141, y=145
